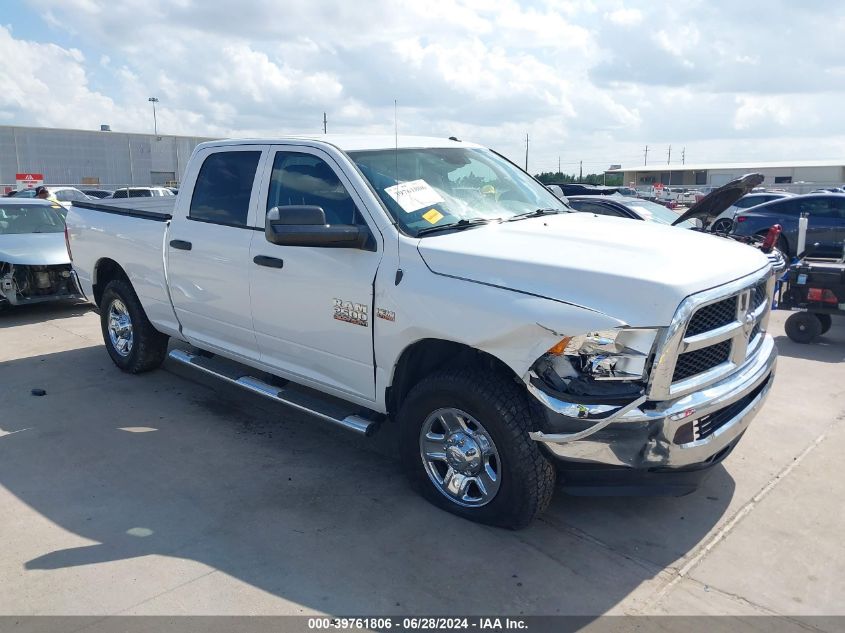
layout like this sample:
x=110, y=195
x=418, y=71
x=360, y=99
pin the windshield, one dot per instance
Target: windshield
x=657, y=213
x=424, y=188
x=30, y=218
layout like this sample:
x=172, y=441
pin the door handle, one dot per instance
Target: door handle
x=270, y=262
x=182, y=245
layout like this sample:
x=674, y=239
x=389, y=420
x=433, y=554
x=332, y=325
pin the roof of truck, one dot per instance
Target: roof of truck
x=351, y=142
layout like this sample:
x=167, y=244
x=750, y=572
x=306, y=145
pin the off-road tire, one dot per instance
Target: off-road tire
x=803, y=327
x=149, y=346
x=527, y=476
x=826, y=321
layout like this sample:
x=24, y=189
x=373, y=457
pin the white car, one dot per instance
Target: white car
x=724, y=222
x=142, y=192
x=67, y=195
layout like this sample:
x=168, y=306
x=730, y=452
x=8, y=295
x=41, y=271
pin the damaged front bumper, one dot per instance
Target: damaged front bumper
x=688, y=433
x=24, y=285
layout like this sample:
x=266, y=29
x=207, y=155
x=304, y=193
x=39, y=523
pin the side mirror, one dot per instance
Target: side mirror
x=557, y=190
x=297, y=225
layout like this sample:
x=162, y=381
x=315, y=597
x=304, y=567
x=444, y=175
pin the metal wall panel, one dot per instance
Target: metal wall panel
x=70, y=156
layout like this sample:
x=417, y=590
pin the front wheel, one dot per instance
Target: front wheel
x=722, y=225
x=132, y=342
x=465, y=447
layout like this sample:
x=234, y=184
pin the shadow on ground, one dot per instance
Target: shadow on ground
x=166, y=464
x=26, y=314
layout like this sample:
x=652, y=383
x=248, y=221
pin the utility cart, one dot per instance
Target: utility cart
x=816, y=289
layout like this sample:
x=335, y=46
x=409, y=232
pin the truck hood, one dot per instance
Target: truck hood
x=34, y=249
x=638, y=272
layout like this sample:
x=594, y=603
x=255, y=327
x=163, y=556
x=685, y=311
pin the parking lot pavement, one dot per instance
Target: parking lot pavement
x=169, y=493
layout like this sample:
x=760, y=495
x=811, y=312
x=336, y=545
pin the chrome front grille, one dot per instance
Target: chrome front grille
x=701, y=360
x=713, y=333
x=712, y=316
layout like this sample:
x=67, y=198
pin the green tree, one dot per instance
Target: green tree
x=548, y=177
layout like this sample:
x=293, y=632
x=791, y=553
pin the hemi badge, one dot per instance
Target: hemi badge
x=682, y=415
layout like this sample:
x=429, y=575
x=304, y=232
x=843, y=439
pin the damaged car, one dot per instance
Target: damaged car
x=35, y=263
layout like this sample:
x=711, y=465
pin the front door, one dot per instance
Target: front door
x=208, y=252
x=313, y=306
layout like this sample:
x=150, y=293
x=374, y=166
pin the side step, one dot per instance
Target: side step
x=287, y=395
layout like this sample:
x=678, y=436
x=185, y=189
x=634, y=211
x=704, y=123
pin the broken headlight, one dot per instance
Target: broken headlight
x=612, y=363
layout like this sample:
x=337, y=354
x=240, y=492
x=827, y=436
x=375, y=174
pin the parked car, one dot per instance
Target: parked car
x=97, y=193
x=434, y=284
x=142, y=192
x=29, y=192
x=34, y=261
x=703, y=191
x=826, y=226
x=724, y=222
x=66, y=196
x=625, y=207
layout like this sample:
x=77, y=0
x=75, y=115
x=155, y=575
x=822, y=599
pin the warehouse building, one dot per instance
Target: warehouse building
x=94, y=158
x=800, y=176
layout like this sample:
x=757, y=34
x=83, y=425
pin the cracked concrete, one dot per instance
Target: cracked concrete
x=227, y=504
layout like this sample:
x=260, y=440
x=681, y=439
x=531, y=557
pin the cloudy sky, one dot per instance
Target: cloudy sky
x=595, y=81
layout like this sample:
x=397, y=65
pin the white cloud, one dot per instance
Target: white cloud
x=588, y=81
x=625, y=17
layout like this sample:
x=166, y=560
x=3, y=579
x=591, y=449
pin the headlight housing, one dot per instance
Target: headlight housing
x=611, y=363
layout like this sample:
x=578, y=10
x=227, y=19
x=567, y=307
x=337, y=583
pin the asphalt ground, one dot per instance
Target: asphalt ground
x=170, y=493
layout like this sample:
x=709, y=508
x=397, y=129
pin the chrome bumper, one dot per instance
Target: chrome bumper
x=643, y=435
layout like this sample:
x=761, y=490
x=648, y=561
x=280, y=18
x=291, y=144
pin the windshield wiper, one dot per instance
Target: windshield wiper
x=458, y=226
x=534, y=214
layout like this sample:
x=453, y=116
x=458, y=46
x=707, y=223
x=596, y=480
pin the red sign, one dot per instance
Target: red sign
x=29, y=180
x=658, y=186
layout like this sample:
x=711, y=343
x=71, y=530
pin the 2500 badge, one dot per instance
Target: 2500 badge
x=350, y=312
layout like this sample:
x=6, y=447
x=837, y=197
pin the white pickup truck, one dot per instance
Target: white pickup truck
x=433, y=284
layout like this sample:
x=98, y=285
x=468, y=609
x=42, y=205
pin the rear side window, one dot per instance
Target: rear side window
x=223, y=187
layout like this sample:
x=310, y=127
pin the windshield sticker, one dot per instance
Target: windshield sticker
x=413, y=196
x=432, y=216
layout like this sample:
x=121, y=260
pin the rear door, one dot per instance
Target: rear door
x=313, y=306
x=208, y=250
x=825, y=226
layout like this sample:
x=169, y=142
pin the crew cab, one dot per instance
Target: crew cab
x=433, y=284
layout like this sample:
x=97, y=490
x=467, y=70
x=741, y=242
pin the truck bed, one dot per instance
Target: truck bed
x=131, y=232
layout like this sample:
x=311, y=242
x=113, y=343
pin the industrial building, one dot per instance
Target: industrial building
x=96, y=158
x=798, y=176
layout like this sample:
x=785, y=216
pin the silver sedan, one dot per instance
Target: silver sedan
x=35, y=263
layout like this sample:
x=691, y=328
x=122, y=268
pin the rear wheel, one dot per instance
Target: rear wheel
x=803, y=327
x=132, y=342
x=466, y=449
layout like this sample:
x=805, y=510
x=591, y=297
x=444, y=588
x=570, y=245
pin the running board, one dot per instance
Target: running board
x=285, y=395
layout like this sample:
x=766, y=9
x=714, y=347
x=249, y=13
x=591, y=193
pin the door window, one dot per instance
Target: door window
x=223, y=188
x=305, y=179
x=820, y=208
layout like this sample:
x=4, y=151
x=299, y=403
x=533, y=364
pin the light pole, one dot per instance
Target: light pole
x=154, y=101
